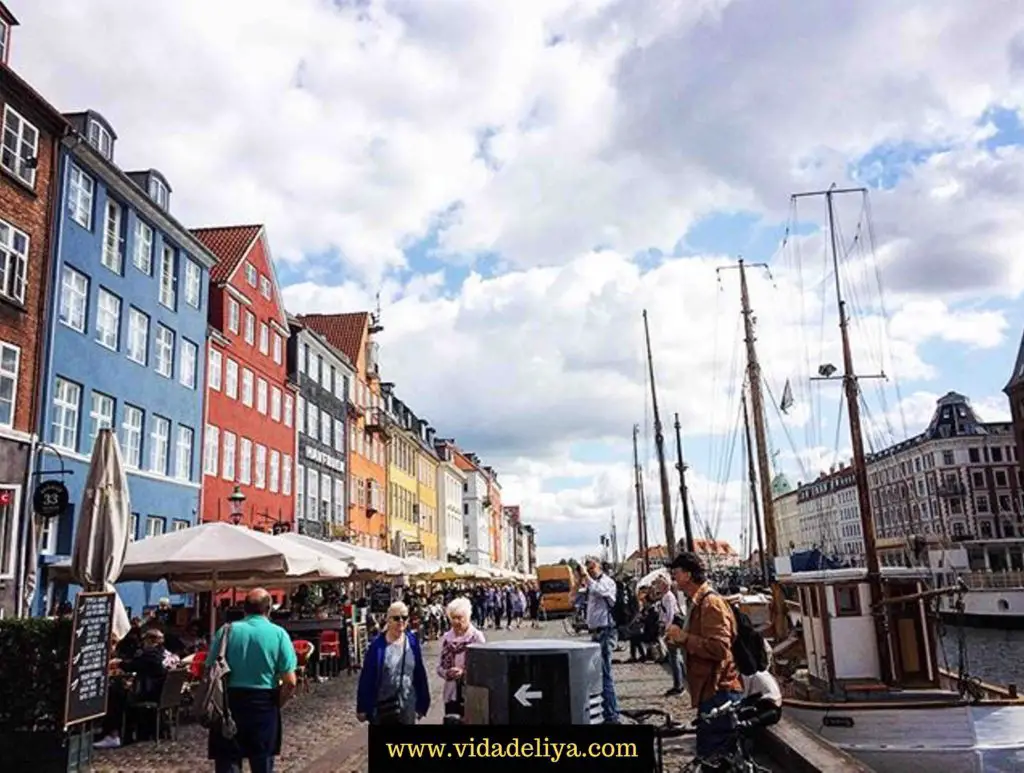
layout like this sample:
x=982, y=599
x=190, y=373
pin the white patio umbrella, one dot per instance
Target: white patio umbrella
x=102, y=538
x=363, y=560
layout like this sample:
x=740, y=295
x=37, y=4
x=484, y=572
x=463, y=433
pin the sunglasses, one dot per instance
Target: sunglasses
x=399, y=618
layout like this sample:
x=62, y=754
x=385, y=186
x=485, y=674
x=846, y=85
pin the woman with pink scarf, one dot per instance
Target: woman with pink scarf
x=452, y=666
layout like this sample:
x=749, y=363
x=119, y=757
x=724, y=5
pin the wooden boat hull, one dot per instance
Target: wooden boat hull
x=921, y=738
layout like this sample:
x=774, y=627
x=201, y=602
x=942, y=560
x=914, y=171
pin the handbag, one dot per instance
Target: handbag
x=389, y=710
x=212, y=696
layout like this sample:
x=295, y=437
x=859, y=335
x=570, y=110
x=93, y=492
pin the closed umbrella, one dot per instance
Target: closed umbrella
x=102, y=537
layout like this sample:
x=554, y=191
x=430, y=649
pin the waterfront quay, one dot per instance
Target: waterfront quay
x=322, y=734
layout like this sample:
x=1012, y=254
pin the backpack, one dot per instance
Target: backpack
x=211, y=697
x=620, y=610
x=749, y=650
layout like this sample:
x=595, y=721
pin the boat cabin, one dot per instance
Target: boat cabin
x=841, y=639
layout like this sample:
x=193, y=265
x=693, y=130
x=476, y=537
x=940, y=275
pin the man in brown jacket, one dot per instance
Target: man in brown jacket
x=706, y=638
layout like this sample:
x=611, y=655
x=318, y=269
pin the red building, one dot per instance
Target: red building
x=249, y=439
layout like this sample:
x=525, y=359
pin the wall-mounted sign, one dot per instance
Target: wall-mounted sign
x=51, y=499
x=324, y=458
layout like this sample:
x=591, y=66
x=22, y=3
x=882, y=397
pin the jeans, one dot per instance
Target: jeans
x=675, y=665
x=607, y=638
x=714, y=736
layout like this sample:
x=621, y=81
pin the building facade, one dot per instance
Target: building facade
x=492, y=508
x=477, y=528
x=787, y=522
x=126, y=333
x=450, y=484
x=829, y=516
x=1014, y=391
x=324, y=377
x=427, y=463
x=531, y=550
x=510, y=537
x=249, y=440
x=368, y=428
x=403, y=495
x=29, y=193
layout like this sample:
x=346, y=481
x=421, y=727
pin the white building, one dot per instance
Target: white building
x=451, y=481
x=829, y=516
x=476, y=518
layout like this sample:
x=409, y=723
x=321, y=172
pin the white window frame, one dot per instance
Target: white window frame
x=251, y=274
x=339, y=435
x=159, y=444
x=234, y=311
x=312, y=494
x=286, y=475
x=261, y=396
x=275, y=404
x=193, y=283
x=138, y=336
x=313, y=420
x=264, y=338
x=211, y=451
x=189, y=362
x=142, y=248
x=131, y=435
x=9, y=382
x=113, y=253
x=278, y=348
x=108, y=319
x=164, y=351
x=101, y=414
x=159, y=192
x=215, y=369
x=183, y=447
x=266, y=288
x=289, y=409
x=274, y=482
x=247, y=387
x=300, y=491
x=100, y=138
x=245, y=461
x=14, y=246
x=81, y=193
x=250, y=328
x=229, y=459
x=326, y=426
x=231, y=379
x=74, y=298
x=168, y=279
x=155, y=526
x=339, y=500
x=260, y=472
x=324, y=511
x=67, y=404
x=20, y=143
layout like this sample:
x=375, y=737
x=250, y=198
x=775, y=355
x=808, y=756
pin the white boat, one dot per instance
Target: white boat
x=990, y=569
x=913, y=723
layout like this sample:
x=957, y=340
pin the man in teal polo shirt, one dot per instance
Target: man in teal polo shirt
x=262, y=680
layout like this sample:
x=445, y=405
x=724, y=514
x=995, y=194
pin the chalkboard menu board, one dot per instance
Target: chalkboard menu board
x=380, y=598
x=88, y=668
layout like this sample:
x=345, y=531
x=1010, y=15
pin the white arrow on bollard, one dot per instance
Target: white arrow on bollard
x=524, y=695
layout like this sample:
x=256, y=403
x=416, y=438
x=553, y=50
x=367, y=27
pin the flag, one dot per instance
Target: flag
x=787, y=398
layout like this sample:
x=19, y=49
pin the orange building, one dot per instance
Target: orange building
x=368, y=430
x=494, y=517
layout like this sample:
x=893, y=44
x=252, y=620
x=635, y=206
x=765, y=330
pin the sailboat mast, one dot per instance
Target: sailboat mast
x=683, y=493
x=641, y=514
x=615, y=543
x=753, y=491
x=659, y=444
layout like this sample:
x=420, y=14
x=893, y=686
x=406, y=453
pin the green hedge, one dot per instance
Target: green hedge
x=33, y=673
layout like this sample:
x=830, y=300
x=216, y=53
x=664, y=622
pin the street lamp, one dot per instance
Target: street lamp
x=237, y=502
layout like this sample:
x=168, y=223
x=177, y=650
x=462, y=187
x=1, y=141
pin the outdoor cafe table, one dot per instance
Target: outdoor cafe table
x=310, y=629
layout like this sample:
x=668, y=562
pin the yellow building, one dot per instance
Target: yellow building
x=403, y=494
x=426, y=476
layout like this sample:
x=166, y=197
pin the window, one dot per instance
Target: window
x=325, y=427
x=131, y=436
x=101, y=415
x=228, y=465
x=211, y=450
x=250, y=328
x=100, y=138
x=278, y=345
x=159, y=440
x=108, y=319
x=973, y=455
x=266, y=289
x=233, y=312
x=133, y=529
x=326, y=485
x=164, y=351
x=261, y=396
x=339, y=500
x=275, y=404
x=80, y=193
x=231, y=380
x=67, y=397
x=155, y=526
x=264, y=338
x=312, y=493
x=142, y=252
x=5, y=32
x=13, y=262
x=74, y=298
x=303, y=354
x=167, y=292
x=300, y=491
x=314, y=367
x=312, y=421
x=187, y=371
x=138, y=336
x=21, y=144
x=286, y=475
x=250, y=274
x=947, y=458
x=289, y=404
x=275, y=471
x=997, y=454
x=183, y=453
x=112, y=256
x=214, y=368
x=339, y=435
x=10, y=357
x=193, y=283
x=180, y=524
x=158, y=191
x=247, y=387
x=245, y=461
x=260, y=480
x=300, y=415
x=1001, y=478
x=847, y=601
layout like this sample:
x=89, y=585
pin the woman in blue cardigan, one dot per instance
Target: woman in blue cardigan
x=393, y=688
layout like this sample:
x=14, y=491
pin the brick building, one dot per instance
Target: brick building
x=249, y=440
x=29, y=184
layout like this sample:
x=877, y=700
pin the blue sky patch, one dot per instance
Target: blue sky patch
x=1009, y=128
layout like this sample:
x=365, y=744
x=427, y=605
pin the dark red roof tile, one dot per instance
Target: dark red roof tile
x=230, y=244
x=343, y=331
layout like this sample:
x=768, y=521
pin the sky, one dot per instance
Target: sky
x=518, y=180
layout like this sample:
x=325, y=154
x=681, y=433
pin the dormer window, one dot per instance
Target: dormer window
x=20, y=146
x=250, y=274
x=100, y=138
x=5, y=32
x=158, y=191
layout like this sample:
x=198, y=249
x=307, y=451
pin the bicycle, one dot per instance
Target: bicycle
x=736, y=757
x=575, y=623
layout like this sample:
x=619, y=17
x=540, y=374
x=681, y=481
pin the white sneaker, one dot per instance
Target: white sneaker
x=110, y=742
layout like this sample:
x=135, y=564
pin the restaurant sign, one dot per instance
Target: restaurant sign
x=327, y=460
x=88, y=664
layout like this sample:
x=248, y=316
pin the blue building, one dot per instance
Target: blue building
x=125, y=343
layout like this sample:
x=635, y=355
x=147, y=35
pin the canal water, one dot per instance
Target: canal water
x=992, y=655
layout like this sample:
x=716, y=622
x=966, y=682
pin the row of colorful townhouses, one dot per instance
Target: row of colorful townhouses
x=114, y=314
